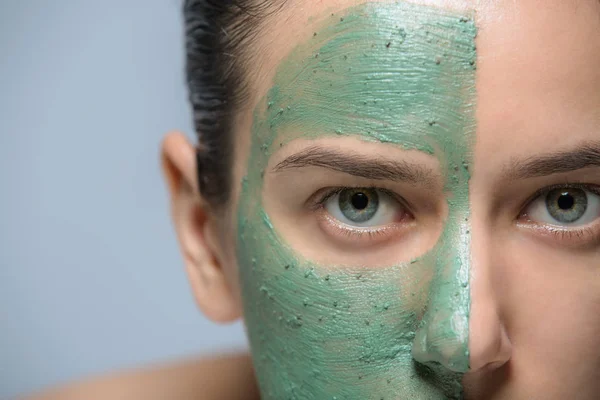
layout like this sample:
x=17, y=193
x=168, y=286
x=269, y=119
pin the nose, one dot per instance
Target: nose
x=461, y=329
x=489, y=344
x=443, y=334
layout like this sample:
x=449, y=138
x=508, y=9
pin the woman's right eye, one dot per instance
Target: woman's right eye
x=363, y=207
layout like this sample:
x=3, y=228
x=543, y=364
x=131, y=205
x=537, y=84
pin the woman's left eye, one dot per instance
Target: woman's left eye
x=565, y=207
x=362, y=207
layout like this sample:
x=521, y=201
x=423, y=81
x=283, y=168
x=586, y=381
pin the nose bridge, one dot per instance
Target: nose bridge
x=443, y=335
x=489, y=343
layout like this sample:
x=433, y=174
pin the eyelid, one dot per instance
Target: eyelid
x=321, y=196
x=545, y=190
x=359, y=237
x=354, y=236
x=575, y=237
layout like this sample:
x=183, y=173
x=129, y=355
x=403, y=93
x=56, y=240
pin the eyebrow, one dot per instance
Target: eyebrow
x=359, y=165
x=584, y=156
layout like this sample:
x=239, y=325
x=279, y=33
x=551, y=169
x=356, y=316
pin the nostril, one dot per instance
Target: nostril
x=490, y=347
x=493, y=365
x=437, y=344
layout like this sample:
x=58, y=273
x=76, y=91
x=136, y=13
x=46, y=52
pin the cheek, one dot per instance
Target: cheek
x=326, y=326
x=551, y=299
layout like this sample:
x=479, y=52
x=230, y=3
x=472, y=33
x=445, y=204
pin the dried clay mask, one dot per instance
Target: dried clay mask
x=403, y=75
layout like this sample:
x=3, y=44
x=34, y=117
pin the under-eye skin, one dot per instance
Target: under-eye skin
x=360, y=215
x=569, y=214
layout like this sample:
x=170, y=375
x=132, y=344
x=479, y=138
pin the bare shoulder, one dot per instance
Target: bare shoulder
x=222, y=377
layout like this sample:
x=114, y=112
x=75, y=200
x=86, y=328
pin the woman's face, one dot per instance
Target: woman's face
x=416, y=209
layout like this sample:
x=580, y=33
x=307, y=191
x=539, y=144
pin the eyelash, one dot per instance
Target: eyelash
x=545, y=190
x=573, y=235
x=317, y=204
x=319, y=198
x=586, y=233
x=370, y=234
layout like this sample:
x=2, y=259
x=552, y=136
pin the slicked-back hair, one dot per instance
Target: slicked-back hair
x=218, y=36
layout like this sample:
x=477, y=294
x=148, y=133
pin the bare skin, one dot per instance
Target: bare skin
x=535, y=287
x=225, y=377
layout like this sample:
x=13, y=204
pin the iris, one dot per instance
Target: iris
x=359, y=205
x=567, y=205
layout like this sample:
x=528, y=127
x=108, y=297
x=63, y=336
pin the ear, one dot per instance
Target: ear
x=197, y=232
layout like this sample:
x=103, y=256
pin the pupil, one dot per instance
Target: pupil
x=566, y=201
x=360, y=201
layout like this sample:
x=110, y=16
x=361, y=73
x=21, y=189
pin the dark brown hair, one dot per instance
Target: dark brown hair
x=218, y=34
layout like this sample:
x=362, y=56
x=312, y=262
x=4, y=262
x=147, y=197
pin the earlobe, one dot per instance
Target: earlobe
x=197, y=232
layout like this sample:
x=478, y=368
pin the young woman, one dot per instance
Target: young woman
x=401, y=199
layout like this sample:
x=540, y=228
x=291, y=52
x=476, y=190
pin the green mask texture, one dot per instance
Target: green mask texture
x=397, y=73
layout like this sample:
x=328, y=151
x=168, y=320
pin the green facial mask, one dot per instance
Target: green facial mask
x=396, y=73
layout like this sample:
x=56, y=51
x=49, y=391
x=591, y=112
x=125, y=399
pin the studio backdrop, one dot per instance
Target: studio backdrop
x=90, y=275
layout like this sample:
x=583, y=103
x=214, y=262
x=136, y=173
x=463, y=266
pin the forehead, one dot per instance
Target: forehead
x=549, y=48
x=537, y=78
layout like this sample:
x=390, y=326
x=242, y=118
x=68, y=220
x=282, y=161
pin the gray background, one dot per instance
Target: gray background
x=90, y=275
